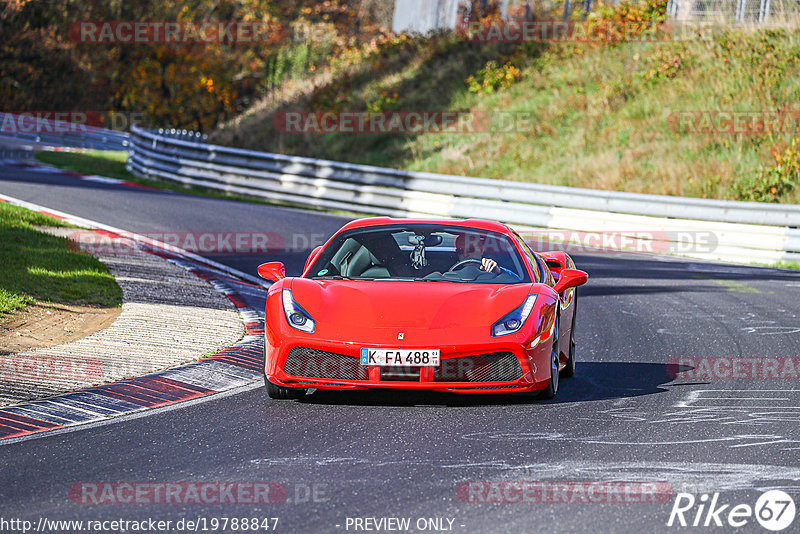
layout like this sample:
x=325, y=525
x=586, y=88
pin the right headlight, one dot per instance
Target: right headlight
x=513, y=321
x=296, y=316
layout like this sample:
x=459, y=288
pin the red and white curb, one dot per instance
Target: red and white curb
x=236, y=366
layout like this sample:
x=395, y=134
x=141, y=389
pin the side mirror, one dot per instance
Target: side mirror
x=273, y=271
x=312, y=257
x=570, y=278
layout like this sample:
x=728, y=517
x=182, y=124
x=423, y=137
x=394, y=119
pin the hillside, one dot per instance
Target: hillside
x=605, y=115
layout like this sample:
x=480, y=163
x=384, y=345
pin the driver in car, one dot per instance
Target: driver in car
x=472, y=248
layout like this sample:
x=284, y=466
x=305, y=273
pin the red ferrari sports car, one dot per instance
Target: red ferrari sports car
x=445, y=305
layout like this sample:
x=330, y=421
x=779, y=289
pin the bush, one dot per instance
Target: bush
x=666, y=63
x=493, y=78
x=774, y=182
x=626, y=21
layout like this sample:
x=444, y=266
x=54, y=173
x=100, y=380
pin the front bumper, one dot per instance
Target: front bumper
x=499, y=368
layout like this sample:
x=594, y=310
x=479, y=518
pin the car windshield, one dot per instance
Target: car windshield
x=423, y=252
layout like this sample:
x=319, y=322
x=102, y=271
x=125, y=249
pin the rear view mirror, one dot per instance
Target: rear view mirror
x=431, y=240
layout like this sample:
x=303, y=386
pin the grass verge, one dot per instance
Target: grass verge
x=109, y=163
x=39, y=266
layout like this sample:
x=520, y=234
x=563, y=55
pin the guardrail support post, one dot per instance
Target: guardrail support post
x=763, y=12
x=740, y=11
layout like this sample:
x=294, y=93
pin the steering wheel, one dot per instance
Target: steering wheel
x=464, y=263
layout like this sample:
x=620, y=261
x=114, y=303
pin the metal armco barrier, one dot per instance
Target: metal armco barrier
x=48, y=133
x=710, y=229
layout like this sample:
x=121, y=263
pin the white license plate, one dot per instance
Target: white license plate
x=415, y=357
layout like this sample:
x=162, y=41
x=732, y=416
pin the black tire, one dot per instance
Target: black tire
x=569, y=368
x=552, y=387
x=283, y=393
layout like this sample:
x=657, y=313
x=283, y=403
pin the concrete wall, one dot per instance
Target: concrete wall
x=422, y=16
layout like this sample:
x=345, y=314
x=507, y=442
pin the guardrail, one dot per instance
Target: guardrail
x=712, y=229
x=54, y=133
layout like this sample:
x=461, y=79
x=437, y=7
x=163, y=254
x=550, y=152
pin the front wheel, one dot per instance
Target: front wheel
x=552, y=388
x=283, y=393
x=569, y=368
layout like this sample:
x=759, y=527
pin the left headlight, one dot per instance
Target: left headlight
x=296, y=316
x=513, y=321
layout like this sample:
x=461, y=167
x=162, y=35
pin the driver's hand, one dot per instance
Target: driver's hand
x=488, y=265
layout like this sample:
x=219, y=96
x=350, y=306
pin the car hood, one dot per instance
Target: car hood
x=406, y=304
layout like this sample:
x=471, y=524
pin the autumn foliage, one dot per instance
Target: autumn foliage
x=189, y=84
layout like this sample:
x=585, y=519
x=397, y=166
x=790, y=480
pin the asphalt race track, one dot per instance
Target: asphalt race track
x=346, y=455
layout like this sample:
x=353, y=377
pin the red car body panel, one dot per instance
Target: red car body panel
x=455, y=317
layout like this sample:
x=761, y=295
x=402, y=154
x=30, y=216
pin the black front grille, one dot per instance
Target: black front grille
x=303, y=361
x=399, y=373
x=493, y=367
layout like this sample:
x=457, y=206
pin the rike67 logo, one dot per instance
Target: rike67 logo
x=774, y=510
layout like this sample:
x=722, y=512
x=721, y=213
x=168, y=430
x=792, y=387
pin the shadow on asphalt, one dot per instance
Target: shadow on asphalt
x=592, y=382
x=646, y=267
